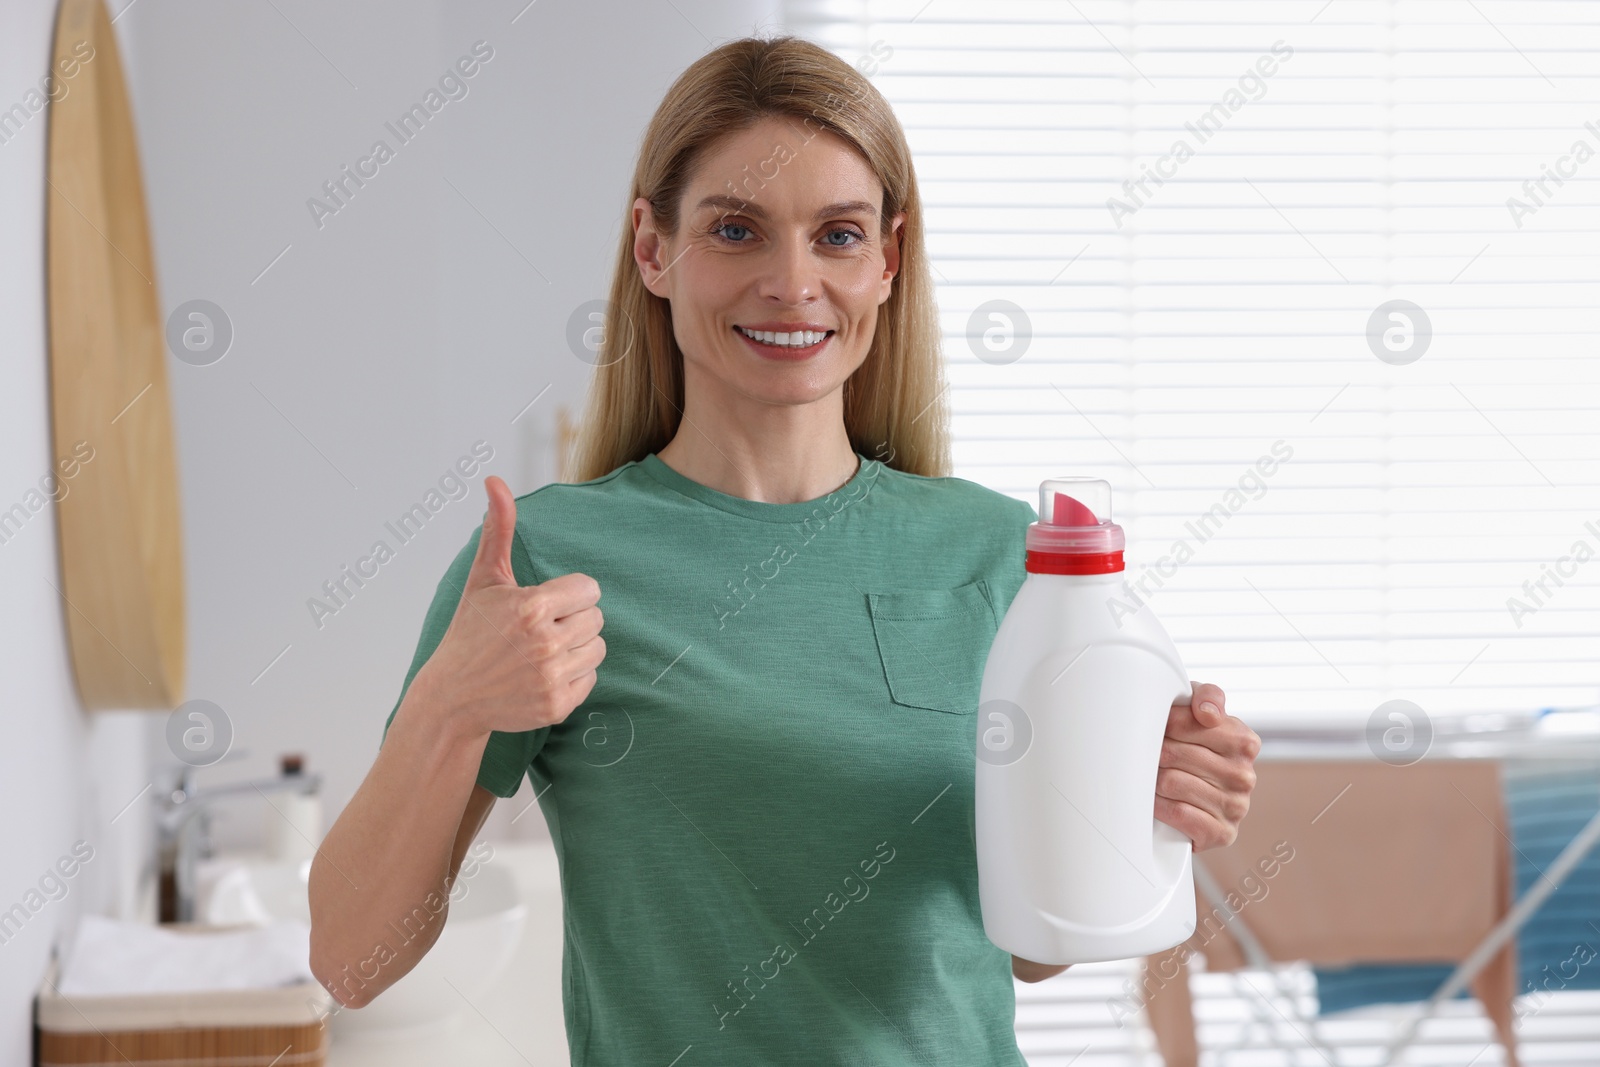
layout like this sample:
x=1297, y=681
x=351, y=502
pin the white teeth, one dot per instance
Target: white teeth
x=795, y=339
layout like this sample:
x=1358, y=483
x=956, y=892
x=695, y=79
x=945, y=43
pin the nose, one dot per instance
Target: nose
x=790, y=275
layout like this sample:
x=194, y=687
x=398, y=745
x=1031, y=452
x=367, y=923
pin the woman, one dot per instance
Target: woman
x=763, y=803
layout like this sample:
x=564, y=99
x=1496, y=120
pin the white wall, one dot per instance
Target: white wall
x=64, y=776
x=365, y=362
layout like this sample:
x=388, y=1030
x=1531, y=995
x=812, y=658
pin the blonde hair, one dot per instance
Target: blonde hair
x=894, y=404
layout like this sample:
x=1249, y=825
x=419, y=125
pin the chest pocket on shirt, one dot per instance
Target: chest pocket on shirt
x=933, y=644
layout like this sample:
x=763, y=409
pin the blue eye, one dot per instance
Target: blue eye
x=730, y=226
x=859, y=237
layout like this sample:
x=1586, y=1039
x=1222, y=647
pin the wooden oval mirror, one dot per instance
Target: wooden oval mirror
x=117, y=496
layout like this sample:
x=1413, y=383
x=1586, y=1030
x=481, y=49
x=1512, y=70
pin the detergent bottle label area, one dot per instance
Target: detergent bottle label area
x=1071, y=857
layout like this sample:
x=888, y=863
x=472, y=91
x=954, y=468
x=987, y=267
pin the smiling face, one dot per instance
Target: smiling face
x=778, y=267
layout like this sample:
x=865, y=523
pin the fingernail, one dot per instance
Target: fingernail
x=1208, y=706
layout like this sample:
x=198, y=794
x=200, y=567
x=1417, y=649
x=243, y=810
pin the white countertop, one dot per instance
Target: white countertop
x=519, y=1023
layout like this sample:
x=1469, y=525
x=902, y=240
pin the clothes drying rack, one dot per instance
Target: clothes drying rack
x=1526, y=743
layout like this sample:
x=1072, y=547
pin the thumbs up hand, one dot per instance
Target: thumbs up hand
x=515, y=657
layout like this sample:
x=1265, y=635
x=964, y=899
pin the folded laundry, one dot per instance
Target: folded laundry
x=113, y=957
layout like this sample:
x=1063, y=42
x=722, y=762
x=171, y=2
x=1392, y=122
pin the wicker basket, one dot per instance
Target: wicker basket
x=285, y=1027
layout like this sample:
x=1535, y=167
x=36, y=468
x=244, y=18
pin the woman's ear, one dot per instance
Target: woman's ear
x=891, y=254
x=648, y=247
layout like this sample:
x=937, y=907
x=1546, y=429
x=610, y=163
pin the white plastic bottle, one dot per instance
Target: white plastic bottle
x=293, y=818
x=1073, y=866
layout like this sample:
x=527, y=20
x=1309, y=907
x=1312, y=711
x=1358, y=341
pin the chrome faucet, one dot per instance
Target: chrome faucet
x=183, y=830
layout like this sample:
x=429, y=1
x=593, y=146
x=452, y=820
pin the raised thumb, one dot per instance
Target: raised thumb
x=492, y=564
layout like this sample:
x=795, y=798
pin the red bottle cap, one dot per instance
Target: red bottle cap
x=1074, y=534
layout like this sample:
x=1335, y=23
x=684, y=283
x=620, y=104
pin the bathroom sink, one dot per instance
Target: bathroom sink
x=485, y=924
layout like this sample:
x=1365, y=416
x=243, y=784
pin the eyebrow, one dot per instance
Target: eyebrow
x=734, y=203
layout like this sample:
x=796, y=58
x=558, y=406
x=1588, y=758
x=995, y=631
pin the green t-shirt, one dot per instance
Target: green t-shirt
x=763, y=812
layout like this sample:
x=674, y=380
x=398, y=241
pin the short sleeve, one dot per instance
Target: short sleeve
x=1012, y=566
x=507, y=755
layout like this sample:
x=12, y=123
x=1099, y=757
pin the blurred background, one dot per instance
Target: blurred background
x=1312, y=284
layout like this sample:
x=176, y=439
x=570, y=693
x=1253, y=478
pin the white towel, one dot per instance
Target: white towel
x=113, y=957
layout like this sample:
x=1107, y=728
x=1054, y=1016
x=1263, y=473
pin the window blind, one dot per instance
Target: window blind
x=1313, y=285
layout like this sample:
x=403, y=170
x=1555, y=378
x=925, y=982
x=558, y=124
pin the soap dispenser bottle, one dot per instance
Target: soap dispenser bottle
x=294, y=817
x=1073, y=866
